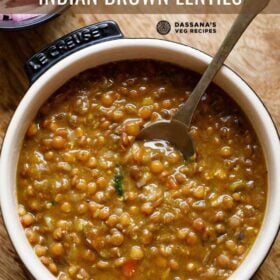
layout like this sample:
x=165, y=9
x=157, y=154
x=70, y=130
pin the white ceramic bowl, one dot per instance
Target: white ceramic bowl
x=123, y=49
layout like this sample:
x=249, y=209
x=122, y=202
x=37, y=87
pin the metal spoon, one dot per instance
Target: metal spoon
x=176, y=130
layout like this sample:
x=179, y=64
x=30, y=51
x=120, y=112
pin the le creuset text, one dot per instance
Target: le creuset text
x=64, y=45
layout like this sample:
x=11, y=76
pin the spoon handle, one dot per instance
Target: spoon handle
x=250, y=9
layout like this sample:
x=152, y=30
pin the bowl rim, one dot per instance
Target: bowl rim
x=201, y=56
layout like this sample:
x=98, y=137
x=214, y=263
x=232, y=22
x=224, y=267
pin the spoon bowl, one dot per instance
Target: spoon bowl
x=174, y=132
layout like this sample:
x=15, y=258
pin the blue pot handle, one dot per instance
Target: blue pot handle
x=68, y=44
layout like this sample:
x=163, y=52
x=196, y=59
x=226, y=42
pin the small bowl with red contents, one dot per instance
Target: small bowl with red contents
x=16, y=15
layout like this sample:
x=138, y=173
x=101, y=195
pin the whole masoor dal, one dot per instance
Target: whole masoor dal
x=97, y=204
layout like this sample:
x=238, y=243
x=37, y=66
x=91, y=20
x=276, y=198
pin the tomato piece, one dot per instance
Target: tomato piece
x=129, y=268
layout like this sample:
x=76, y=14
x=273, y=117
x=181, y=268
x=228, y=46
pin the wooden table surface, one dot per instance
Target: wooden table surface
x=256, y=58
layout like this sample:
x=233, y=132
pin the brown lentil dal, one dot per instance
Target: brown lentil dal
x=172, y=219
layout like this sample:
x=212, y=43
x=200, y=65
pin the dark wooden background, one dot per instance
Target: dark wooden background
x=256, y=58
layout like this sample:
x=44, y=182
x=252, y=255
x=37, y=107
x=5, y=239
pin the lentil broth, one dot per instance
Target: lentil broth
x=96, y=204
